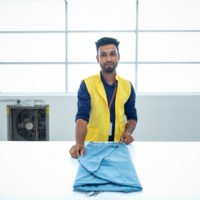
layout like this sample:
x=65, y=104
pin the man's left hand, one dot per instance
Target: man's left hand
x=126, y=137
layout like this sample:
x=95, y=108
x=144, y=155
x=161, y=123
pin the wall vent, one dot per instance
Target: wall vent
x=28, y=123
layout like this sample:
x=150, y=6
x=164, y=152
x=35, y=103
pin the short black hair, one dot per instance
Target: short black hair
x=105, y=41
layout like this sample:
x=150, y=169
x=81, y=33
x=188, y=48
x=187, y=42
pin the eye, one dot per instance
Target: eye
x=113, y=53
x=103, y=55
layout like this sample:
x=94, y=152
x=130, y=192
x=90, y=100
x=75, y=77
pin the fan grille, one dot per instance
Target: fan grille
x=28, y=123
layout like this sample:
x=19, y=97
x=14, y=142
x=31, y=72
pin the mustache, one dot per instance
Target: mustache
x=109, y=63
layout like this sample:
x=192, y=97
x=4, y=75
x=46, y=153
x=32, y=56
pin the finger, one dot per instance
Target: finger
x=74, y=152
x=126, y=140
x=82, y=151
x=121, y=139
x=74, y=156
x=77, y=152
x=129, y=140
x=71, y=151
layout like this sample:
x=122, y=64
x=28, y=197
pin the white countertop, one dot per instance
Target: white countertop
x=45, y=171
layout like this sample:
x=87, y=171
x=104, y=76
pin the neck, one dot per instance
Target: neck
x=109, y=77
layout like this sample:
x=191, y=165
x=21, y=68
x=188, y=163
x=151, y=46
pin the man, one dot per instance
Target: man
x=104, y=100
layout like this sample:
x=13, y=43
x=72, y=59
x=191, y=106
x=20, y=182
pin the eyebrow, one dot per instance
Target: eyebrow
x=113, y=52
x=102, y=52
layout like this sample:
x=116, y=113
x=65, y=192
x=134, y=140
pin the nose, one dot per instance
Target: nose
x=108, y=58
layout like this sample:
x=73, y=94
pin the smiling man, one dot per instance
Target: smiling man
x=106, y=102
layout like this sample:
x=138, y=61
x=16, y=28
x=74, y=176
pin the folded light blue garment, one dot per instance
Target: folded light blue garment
x=106, y=167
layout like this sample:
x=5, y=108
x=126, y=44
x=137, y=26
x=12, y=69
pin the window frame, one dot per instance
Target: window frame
x=135, y=30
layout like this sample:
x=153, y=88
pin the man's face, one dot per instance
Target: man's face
x=108, y=58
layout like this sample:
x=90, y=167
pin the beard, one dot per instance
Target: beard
x=109, y=69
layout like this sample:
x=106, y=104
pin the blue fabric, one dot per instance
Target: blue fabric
x=106, y=167
x=84, y=105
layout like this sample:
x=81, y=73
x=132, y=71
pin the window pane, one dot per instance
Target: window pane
x=81, y=71
x=169, y=14
x=101, y=14
x=81, y=46
x=169, y=78
x=127, y=71
x=76, y=73
x=32, y=15
x=169, y=47
x=32, y=78
x=32, y=47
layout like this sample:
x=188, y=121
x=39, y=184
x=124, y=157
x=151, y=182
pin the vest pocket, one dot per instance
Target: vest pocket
x=92, y=134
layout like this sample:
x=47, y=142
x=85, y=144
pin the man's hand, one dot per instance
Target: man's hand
x=77, y=150
x=126, y=137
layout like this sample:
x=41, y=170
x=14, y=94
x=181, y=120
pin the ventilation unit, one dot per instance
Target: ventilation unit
x=28, y=123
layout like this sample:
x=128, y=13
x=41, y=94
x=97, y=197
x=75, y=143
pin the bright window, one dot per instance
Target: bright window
x=32, y=78
x=32, y=47
x=32, y=50
x=89, y=20
x=49, y=45
x=168, y=46
x=164, y=78
x=101, y=14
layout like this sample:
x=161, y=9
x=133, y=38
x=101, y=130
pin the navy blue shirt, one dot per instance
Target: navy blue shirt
x=84, y=105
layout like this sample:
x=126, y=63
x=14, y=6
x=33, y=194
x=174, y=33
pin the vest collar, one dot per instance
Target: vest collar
x=116, y=77
x=101, y=89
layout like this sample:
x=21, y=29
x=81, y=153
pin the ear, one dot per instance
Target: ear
x=97, y=57
x=118, y=56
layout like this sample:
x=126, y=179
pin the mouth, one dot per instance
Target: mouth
x=109, y=64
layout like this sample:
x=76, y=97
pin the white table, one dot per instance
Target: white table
x=45, y=171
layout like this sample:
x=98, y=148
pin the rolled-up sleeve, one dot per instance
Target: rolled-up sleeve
x=83, y=104
x=130, y=109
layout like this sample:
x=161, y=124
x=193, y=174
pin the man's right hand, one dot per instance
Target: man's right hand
x=77, y=150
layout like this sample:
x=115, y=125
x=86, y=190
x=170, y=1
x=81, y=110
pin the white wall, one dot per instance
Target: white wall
x=161, y=117
x=168, y=118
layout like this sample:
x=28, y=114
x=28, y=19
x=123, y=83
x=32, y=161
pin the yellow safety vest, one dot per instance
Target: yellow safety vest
x=99, y=122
